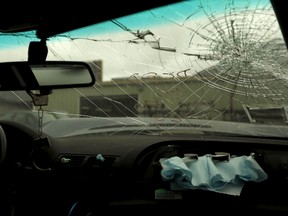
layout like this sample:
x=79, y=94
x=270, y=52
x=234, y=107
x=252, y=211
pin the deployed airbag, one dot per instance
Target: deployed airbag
x=205, y=173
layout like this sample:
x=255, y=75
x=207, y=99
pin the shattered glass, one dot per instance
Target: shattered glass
x=212, y=60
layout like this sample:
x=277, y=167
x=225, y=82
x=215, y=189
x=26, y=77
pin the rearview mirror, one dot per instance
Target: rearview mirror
x=49, y=75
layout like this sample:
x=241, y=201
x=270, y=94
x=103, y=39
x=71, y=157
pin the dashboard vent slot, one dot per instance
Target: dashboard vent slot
x=86, y=166
x=73, y=161
x=94, y=162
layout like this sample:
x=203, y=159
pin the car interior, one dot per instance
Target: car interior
x=93, y=175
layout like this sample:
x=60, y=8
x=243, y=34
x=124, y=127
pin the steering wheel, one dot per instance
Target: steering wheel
x=3, y=145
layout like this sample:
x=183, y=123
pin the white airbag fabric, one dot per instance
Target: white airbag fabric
x=204, y=173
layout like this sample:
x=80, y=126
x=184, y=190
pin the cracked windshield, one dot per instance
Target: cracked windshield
x=195, y=67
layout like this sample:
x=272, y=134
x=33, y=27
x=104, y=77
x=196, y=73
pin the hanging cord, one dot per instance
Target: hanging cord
x=40, y=121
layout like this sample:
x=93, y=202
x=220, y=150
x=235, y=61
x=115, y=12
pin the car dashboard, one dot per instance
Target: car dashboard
x=83, y=175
